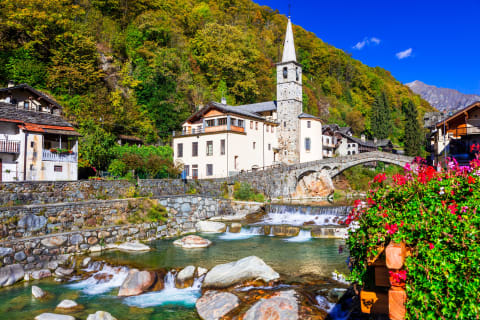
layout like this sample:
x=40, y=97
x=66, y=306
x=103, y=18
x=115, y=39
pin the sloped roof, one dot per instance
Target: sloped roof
x=11, y=113
x=306, y=115
x=25, y=86
x=247, y=110
x=458, y=113
x=259, y=107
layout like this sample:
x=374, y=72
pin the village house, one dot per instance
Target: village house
x=220, y=140
x=458, y=135
x=36, y=143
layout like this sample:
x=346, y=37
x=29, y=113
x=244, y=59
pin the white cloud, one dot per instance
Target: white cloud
x=404, y=54
x=365, y=42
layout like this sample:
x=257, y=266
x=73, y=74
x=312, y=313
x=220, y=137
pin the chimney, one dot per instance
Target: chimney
x=224, y=100
x=362, y=137
x=11, y=83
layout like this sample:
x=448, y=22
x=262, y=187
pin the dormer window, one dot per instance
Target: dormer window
x=285, y=73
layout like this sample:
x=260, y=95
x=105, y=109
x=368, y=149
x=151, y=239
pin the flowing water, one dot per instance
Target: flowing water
x=298, y=215
x=292, y=257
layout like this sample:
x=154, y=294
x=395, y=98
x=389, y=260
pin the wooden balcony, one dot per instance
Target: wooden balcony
x=8, y=146
x=212, y=129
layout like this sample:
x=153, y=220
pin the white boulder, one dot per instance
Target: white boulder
x=211, y=227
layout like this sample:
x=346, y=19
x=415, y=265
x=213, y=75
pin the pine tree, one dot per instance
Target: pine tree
x=413, y=133
x=380, y=117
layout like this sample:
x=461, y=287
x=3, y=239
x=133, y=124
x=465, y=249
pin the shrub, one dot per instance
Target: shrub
x=435, y=214
x=244, y=191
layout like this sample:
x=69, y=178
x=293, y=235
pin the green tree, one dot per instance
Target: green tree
x=380, y=117
x=413, y=134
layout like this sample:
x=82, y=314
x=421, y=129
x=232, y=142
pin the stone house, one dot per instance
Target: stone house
x=36, y=143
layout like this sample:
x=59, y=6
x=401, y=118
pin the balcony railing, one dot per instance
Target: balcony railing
x=60, y=157
x=7, y=146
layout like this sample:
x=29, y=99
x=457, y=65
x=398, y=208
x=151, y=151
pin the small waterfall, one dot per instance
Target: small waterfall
x=305, y=215
x=104, y=279
x=170, y=295
x=303, y=236
x=244, y=233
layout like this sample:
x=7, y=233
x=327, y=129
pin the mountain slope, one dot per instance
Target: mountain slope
x=141, y=67
x=443, y=98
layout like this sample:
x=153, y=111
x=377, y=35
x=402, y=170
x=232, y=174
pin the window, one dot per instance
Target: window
x=251, y=124
x=210, y=123
x=57, y=168
x=309, y=124
x=222, y=147
x=296, y=74
x=307, y=144
x=26, y=104
x=240, y=123
x=186, y=168
x=209, y=169
x=254, y=145
x=209, y=148
x=284, y=124
x=194, y=149
x=235, y=162
x=222, y=121
x=348, y=145
x=180, y=150
x=256, y=125
x=234, y=121
x=285, y=73
x=194, y=171
x=348, y=152
x=269, y=147
x=353, y=152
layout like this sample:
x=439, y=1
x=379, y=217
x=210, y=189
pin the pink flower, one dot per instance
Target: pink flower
x=392, y=228
x=431, y=246
x=380, y=178
x=464, y=209
x=407, y=167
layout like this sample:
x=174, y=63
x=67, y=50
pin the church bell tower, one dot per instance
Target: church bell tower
x=289, y=101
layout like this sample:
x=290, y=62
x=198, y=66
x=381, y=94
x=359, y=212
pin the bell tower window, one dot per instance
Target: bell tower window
x=285, y=73
x=296, y=73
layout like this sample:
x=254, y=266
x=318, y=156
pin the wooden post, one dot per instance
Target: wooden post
x=395, y=255
x=397, y=297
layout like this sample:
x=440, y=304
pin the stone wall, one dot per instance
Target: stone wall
x=34, y=235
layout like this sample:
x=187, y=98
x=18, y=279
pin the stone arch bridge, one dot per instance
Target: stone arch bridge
x=282, y=180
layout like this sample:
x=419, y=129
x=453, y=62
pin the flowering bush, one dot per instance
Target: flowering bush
x=435, y=214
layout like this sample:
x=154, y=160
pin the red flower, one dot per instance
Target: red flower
x=471, y=179
x=453, y=208
x=380, y=178
x=392, y=228
x=431, y=246
x=398, y=276
x=399, y=179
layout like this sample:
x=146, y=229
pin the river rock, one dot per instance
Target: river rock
x=37, y=292
x=249, y=268
x=201, y=271
x=86, y=261
x=133, y=246
x=53, y=242
x=211, y=227
x=317, y=184
x=67, y=305
x=62, y=272
x=5, y=251
x=327, y=232
x=101, y=315
x=31, y=222
x=215, y=304
x=192, y=242
x=136, y=283
x=285, y=231
x=53, y=316
x=186, y=273
x=235, y=227
x=11, y=274
x=40, y=274
x=282, y=306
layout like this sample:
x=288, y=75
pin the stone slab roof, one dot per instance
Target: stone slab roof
x=25, y=86
x=306, y=115
x=259, y=107
x=9, y=112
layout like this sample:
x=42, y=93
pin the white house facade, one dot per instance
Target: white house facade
x=36, y=143
x=221, y=140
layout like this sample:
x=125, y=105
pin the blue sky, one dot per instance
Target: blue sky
x=437, y=42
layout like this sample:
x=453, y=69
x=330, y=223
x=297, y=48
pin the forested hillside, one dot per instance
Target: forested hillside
x=141, y=67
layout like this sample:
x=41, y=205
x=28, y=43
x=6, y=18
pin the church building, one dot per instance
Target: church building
x=221, y=140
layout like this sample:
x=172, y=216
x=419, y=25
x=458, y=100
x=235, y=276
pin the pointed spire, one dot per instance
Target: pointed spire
x=289, y=46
